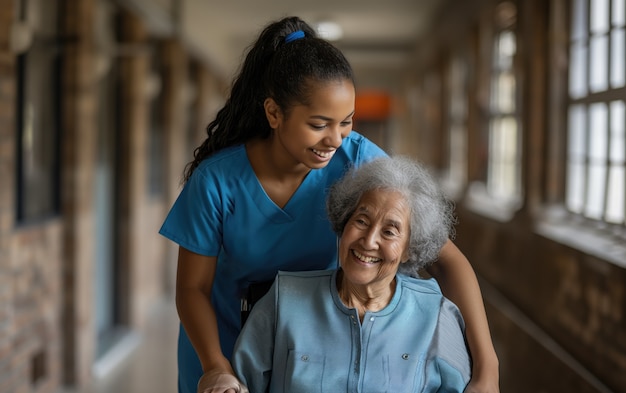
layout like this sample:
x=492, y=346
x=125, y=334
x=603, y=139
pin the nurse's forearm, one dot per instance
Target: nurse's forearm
x=198, y=318
x=458, y=282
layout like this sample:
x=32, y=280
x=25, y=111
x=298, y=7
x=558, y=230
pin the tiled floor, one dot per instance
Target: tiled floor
x=151, y=366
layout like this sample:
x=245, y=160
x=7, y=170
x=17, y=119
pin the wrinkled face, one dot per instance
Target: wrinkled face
x=310, y=134
x=376, y=238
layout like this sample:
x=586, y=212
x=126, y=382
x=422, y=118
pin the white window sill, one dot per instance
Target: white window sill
x=452, y=190
x=479, y=201
x=556, y=224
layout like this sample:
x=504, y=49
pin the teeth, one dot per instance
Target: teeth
x=365, y=258
x=324, y=154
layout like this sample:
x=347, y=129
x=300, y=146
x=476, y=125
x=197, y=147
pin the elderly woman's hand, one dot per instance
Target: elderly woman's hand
x=218, y=381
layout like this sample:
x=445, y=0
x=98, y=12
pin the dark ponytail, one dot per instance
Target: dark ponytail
x=273, y=68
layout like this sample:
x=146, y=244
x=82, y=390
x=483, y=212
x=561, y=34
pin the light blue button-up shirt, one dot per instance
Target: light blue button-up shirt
x=301, y=338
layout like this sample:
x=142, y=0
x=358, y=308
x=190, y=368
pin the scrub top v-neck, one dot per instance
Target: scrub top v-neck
x=292, y=208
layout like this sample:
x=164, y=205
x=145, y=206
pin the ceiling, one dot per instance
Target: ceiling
x=378, y=35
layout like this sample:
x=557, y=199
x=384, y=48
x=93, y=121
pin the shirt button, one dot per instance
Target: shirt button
x=372, y=319
x=305, y=358
x=405, y=356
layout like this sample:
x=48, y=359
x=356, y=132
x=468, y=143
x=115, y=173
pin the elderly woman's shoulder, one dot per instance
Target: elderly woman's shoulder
x=301, y=285
x=421, y=285
x=427, y=293
x=305, y=274
x=289, y=278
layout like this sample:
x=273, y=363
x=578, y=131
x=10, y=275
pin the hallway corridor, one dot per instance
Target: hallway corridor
x=151, y=366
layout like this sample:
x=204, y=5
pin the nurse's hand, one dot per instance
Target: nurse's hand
x=484, y=379
x=481, y=387
x=218, y=381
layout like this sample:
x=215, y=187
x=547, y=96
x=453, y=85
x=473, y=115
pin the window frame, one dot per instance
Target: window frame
x=457, y=116
x=36, y=201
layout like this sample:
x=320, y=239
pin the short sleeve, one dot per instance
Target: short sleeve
x=368, y=150
x=195, y=220
x=449, y=365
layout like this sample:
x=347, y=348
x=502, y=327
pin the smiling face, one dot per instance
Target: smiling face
x=310, y=134
x=375, y=239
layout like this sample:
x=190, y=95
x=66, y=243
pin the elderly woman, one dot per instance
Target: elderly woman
x=371, y=325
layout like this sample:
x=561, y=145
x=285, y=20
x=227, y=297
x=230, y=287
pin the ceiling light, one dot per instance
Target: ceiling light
x=330, y=31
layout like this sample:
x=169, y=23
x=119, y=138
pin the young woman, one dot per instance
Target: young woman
x=254, y=198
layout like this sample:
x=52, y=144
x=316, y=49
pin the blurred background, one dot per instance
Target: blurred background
x=517, y=105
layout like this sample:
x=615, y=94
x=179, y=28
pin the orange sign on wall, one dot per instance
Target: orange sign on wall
x=372, y=105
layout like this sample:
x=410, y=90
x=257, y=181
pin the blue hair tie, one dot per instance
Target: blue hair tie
x=296, y=35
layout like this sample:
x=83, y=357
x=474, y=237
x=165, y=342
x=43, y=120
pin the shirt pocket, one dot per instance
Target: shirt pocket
x=394, y=373
x=304, y=372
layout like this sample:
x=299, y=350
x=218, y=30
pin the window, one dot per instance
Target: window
x=191, y=98
x=456, y=173
x=504, y=158
x=156, y=133
x=596, y=147
x=496, y=178
x=37, y=115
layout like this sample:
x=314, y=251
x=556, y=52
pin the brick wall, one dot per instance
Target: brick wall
x=567, y=319
x=30, y=260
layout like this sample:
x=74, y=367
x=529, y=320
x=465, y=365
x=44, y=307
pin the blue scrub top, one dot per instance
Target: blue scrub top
x=223, y=211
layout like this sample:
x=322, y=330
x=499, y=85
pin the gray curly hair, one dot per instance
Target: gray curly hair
x=432, y=214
